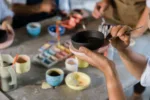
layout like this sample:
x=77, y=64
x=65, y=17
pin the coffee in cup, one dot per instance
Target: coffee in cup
x=54, y=76
x=54, y=73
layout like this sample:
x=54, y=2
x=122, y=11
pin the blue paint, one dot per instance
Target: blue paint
x=52, y=30
x=52, y=52
x=47, y=61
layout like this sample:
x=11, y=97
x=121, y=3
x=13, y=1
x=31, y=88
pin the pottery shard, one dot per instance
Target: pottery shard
x=45, y=85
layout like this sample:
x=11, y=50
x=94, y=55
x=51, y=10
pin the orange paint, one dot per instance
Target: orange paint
x=58, y=32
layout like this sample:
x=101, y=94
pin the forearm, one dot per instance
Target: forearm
x=115, y=90
x=134, y=62
x=20, y=9
x=142, y=22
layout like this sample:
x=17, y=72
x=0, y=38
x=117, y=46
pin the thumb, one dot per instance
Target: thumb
x=102, y=9
x=86, y=51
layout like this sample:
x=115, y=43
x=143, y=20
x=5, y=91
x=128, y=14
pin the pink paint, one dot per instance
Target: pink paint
x=64, y=53
x=58, y=55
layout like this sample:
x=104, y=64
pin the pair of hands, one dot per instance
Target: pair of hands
x=48, y=6
x=120, y=43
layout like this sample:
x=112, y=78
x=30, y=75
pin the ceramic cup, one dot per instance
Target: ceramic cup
x=52, y=30
x=54, y=76
x=71, y=65
x=82, y=63
x=34, y=29
x=23, y=64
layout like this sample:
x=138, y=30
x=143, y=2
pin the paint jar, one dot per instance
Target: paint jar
x=82, y=63
x=71, y=64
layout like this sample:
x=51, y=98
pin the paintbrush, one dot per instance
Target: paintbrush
x=58, y=32
x=15, y=60
x=83, y=25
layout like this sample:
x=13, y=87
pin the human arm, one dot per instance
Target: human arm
x=23, y=9
x=115, y=91
x=142, y=22
x=135, y=63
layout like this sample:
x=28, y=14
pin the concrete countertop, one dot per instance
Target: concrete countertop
x=29, y=88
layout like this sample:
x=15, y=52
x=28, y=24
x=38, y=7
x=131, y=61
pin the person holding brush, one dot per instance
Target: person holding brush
x=137, y=64
x=133, y=13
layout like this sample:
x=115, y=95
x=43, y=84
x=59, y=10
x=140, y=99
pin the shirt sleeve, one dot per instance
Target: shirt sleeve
x=18, y=1
x=5, y=11
x=145, y=79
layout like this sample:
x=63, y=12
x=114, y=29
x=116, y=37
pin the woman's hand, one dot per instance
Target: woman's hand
x=6, y=26
x=47, y=6
x=100, y=8
x=122, y=40
x=97, y=60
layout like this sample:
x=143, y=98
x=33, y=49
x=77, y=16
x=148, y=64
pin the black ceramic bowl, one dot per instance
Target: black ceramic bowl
x=3, y=36
x=90, y=39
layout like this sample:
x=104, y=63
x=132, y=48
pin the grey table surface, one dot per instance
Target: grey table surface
x=28, y=87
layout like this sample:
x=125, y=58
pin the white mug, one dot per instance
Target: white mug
x=71, y=67
x=23, y=64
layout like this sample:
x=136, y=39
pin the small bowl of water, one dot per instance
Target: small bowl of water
x=34, y=29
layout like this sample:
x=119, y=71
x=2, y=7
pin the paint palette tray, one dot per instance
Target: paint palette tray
x=51, y=53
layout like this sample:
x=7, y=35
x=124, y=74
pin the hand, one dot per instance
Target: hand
x=47, y=6
x=122, y=41
x=97, y=60
x=100, y=9
x=7, y=27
